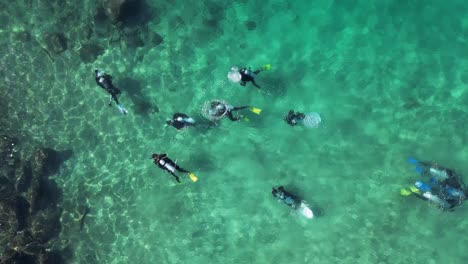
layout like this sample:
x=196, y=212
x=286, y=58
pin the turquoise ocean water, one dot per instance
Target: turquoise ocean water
x=390, y=79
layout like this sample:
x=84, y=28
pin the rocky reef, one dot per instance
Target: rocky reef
x=30, y=206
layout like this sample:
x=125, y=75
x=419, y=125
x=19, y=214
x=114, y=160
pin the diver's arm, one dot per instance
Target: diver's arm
x=255, y=84
x=231, y=117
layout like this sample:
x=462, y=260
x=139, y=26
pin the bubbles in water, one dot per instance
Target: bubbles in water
x=312, y=120
x=234, y=75
x=212, y=113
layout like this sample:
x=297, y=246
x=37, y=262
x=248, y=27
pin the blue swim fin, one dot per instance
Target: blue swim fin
x=418, y=169
x=122, y=109
x=412, y=160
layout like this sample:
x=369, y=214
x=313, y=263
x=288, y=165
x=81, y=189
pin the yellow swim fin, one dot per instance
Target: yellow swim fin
x=192, y=177
x=255, y=110
x=266, y=67
x=405, y=192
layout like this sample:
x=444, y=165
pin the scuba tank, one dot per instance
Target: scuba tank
x=421, y=186
x=186, y=120
x=435, y=199
x=455, y=193
x=439, y=175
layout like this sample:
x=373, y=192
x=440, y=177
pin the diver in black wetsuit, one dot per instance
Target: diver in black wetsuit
x=444, y=184
x=247, y=75
x=218, y=109
x=293, y=118
x=105, y=81
x=180, y=121
x=286, y=197
x=165, y=163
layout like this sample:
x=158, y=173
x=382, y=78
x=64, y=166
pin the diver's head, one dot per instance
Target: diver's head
x=274, y=192
x=99, y=73
x=218, y=108
x=155, y=156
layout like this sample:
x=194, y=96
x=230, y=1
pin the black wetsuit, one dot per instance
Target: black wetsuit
x=179, y=124
x=228, y=111
x=286, y=197
x=441, y=188
x=105, y=81
x=168, y=165
x=248, y=76
x=292, y=117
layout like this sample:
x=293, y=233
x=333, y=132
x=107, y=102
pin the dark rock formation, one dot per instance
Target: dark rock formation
x=155, y=38
x=7, y=151
x=251, y=25
x=90, y=52
x=55, y=42
x=134, y=13
x=133, y=89
x=112, y=8
x=30, y=215
x=133, y=37
x=131, y=12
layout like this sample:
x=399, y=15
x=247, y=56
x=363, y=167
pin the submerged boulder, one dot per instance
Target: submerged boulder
x=55, y=42
x=112, y=8
x=7, y=150
x=29, y=206
x=129, y=12
x=47, y=161
x=90, y=52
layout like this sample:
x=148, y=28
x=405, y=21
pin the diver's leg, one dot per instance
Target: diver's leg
x=110, y=100
x=114, y=96
x=230, y=116
x=175, y=176
x=255, y=84
x=239, y=108
x=181, y=169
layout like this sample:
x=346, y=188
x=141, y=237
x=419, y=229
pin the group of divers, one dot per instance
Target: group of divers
x=439, y=186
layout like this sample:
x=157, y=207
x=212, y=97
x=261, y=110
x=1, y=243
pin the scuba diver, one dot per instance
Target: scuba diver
x=219, y=109
x=165, y=163
x=246, y=75
x=446, y=189
x=291, y=200
x=294, y=118
x=180, y=121
x=423, y=191
x=105, y=81
x=286, y=197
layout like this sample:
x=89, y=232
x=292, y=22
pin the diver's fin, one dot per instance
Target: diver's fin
x=405, y=192
x=414, y=189
x=418, y=169
x=122, y=109
x=412, y=160
x=192, y=177
x=266, y=67
x=255, y=110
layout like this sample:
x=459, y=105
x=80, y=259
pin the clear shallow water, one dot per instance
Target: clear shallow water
x=388, y=78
